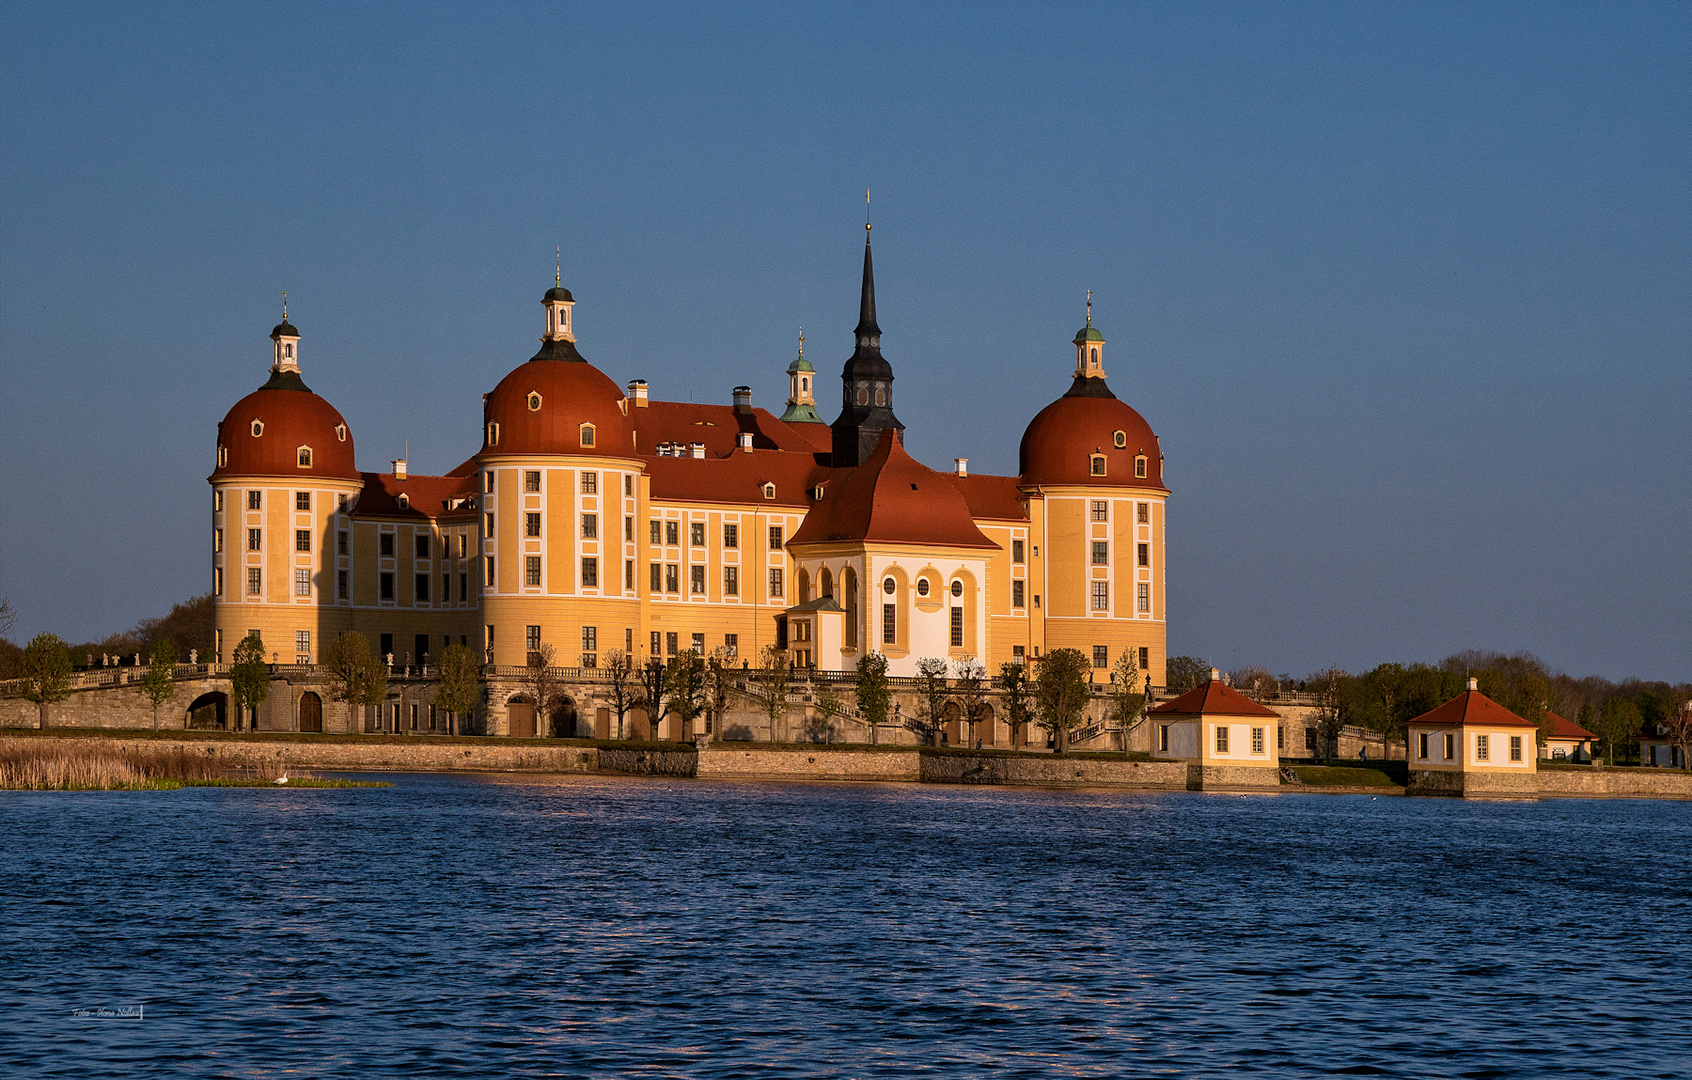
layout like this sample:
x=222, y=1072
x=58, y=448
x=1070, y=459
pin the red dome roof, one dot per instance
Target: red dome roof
x=262, y=435
x=892, y=498
x=1059, y=445
x=572, y=393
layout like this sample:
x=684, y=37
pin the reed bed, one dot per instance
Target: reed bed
x=44, y=765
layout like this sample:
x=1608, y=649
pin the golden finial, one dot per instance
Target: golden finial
x=558, y=274
x=801, y=343
x=1089, y=307
x=284, y=305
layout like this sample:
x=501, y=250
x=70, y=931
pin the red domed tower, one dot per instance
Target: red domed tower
x=558, y=475
x=284, y=469
x=1095, y=471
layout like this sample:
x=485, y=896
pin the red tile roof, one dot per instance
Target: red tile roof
x=1474, y=709
x=994, y=498
x=1213, y=699
x=289, y=419
x=739, y=477
x=428, y=496
x=1562, y=728
x=717, y=425
x=892, y=498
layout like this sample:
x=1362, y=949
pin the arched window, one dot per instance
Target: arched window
x=1099, y=465
x=222, y=456
x=1095, y=356
x=805, y=385
x=288, y=351
x=341, y=432
x=863, y=393
x=304, y=457
x=1140, y=467
x=587, y=434
x=493, y=434
x=849, y=585
x=804, y=582
x=769, y=491
x=880, y=394
x=825, y=582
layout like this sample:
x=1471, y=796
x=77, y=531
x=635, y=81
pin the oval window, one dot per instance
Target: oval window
x=888, y=586
x=922, y=587
x=1120, y=439
x=258, y=428
x=957, y=588
x=534, y=402
x=341, y=432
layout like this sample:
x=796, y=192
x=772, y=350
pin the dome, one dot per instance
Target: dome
x=558, y=292
x=799, y=365
x=264, y=433
x=1060, y=443
x=565, y=394
x=284, y=329
x=1088, y=333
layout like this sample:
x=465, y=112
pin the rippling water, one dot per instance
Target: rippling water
x=648, y=928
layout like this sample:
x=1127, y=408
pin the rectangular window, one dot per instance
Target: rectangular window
x=1101, y=553
x=889, y=624
x=1450, y=746
x=531, y=570
x=341, y=543
x=342, y=592
x=672, y=578
x=1257, y=740
x=1142, y=597
x=385, y=546
x=657, y=643
x=1163, y=738
x=1145, y=661
x=463, y=588
x=1280, y=738
x=670, y=643
x=385, y=585
x=731, y=581
x=1221, y=738
x=217, y=501
x=628, y=529
x=1016, y=551
x=696, y=534
x=255, y=500
x=1101, y=656
x=775, y=537
x=255, y=539
x=302, y=582
x=628, y=489
x=1142, y=513
x=1018, y=654
x=696, y=576
x=422, y=546
x=488, y=572
x=590, y=480
x=655, y=582
x=775, y=582
x=1515, y=748
x=957, y=628
x=1101, y=510
x=487, y=525
x=302, y=539
x=217, y=540
x=590, y=639
x=531, y=481
x=531, y=637
x=422, y=595
x=446, y=588
x=302, y=500
x=590, y=573
x=672, y=533
x=590, y=526
x=1422, y=746
x=654, y=534
x=488, y=486
x=302, y=646
x=1145, y=554
x=731, y=536
x=1018, y=588
x=731, y=644
x=1483, y=749
x=628, y=577
x=698, y=644
x=1310, y=738
x=1101, y=596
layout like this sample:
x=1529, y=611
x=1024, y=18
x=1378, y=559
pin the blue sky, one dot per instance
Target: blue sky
x=1406, y=289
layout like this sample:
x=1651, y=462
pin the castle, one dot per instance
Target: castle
x=595, y=518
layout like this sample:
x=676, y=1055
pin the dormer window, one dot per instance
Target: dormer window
x=817, y=493
x=222, y=456
x=587, y=434
x=258, y=428
x=1098, y=465
x=404, y=500
x=341, y=432
x=1140, y=467
x=493, y=434
x=534, y=401
x=769, y=491
x=303, y=455
x=1119, y=440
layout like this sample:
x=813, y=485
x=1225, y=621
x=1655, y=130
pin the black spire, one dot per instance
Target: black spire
x=866, y=383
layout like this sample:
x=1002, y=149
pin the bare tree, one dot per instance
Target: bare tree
x=624, y=680
x=159, y=684
x=652, y=694
x=8, y=615
x=684, y=688
x=715, y=690
x=1127, y=697
x=1329, y=689
x=969, y=690
x=1677, y=726
x=772, y=686
x=933, y=694
x=540, y=682
x=1014, y=689
x=352, y=672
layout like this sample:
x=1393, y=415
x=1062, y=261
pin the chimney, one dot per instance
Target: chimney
x=743, y=400
x=696, y=449
x=1215, y=676
x=1474, y=684
x=962, y=464
x=744, y=441
x=399, y=469
x=637, y=390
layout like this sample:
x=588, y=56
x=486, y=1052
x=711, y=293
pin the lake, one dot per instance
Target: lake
x=599, y=927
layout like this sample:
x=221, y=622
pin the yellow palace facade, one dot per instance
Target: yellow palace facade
x=593, y=518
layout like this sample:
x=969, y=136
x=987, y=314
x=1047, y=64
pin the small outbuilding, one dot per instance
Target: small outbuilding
x=1228, y=739
x=1473, y=746
x=1567, y=741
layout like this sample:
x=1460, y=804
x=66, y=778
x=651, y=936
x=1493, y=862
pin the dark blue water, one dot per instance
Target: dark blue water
x=649, y=928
